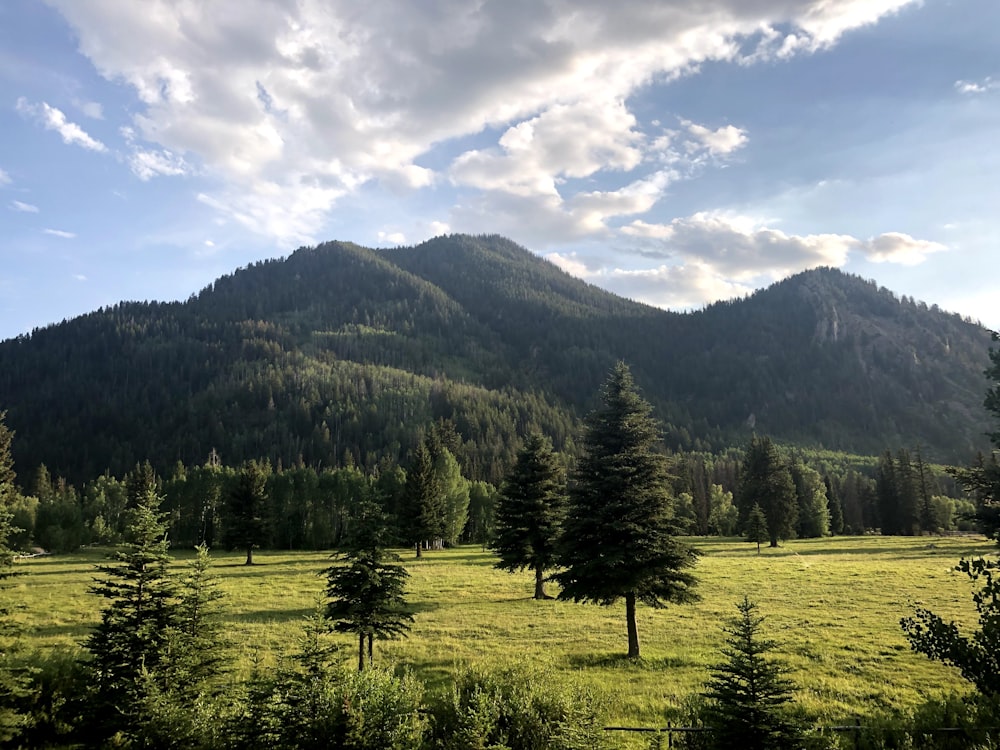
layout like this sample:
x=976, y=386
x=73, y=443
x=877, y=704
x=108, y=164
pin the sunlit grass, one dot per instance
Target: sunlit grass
x=833, y=606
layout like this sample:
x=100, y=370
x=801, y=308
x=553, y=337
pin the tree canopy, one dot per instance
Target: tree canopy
x=618, y=537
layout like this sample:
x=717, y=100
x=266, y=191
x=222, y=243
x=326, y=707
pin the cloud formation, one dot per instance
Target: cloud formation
x=54, y=119
x=293, y=105
x=4, y=178
x=977, y=87
x=59, y=233
x=711, y=256
x=22, y=207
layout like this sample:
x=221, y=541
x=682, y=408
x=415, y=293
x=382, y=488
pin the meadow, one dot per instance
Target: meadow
x=832, y=605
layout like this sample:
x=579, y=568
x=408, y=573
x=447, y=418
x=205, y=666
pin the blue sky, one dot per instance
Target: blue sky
x=671, y=151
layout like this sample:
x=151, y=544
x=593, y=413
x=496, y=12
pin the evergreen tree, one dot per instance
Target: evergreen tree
x=14, y=683
x=366, y=590
x=747, y=691
x=927, y=514
x=766, y=481
x=199, y=645
x=757, y=526
x=128, y=644
x=424, y=517
x=617, y=539
x=7, y=473
x=835, y=510
x=530, y=512
x=247, y=506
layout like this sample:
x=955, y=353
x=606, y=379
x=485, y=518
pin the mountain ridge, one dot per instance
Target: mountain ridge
x=343, y=353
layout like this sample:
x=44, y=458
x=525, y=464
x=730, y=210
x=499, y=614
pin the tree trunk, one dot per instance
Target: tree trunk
x=774, y=541
x=371, y=659
x=758, y=548
x=633, y=632
x=419, y=553
x=361, y=652
x=540, y=585
x=249, y=555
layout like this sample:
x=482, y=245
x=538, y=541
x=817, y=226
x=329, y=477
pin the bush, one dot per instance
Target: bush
x=517, y=708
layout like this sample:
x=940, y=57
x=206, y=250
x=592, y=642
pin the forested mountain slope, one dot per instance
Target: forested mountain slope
x=341, y=353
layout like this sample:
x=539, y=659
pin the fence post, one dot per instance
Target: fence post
x=857, y=733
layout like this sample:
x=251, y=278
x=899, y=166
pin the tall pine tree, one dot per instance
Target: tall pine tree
x=530, y=512
x=617, y=539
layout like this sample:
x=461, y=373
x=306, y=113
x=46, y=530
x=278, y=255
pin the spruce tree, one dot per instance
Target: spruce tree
x=531, y=507
x=247, y=505
x=366, y=589
x=747, y=691
x=617, y=539
x=128, y=643
x=766, y=481
x=424, y=516
x=757, y=526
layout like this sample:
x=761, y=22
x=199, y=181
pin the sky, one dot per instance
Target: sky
x=672, y=151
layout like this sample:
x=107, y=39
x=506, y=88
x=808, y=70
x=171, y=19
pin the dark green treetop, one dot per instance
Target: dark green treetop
x=531, y=507
x=747, y=690
x=366, y=589
x=617, y=539
x=766, y=481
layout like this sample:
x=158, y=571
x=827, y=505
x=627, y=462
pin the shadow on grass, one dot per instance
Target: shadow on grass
x=621, y=661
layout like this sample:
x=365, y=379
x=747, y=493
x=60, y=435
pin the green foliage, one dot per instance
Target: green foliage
x=813, y=517
x=454, y=490
x=128, y=645
x=748, y=692
x=977, y=656
x=517, y=708
x=756, y=526
x=366, y=591
x=247, y=506
x=617, y=537
x=765, y=480
x=340, y=351
x=530, y=512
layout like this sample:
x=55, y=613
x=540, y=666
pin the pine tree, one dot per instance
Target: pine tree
x=247, y=505
x=530, y=512
x=766, y=481
x=747, y=691
x=757, y=526
x=129, y=642
x=617, y=539
x=423, y=518
x=366, y=590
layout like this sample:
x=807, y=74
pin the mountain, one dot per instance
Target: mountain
x=340, y=353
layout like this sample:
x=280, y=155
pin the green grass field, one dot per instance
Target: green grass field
x=833, y=606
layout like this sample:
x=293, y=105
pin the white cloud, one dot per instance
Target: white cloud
x=4, y=178
x=79, y=277
x=391, y=238
x=148, y=164
x=741, y=247
x=53, y=119
x=977, y=87
x=713, y=255
x=895, y=247
x=23, y=207
x=93, y=110
x=59, y=233
x=720, y=142
x=298, y=103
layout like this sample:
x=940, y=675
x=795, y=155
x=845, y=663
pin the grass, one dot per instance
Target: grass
x=833, y=606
